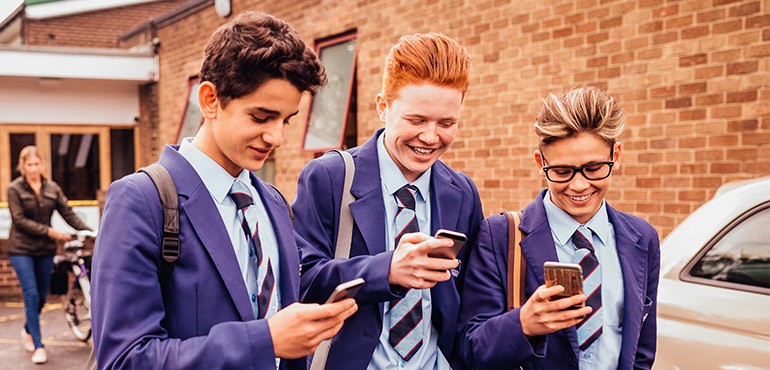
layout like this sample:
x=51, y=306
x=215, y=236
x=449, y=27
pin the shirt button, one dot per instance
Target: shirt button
x=253, y=298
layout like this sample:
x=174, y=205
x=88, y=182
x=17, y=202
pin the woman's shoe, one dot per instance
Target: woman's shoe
x=39, y=357
x=26, y=340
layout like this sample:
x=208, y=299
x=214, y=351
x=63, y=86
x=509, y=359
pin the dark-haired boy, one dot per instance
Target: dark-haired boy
x=229, y=301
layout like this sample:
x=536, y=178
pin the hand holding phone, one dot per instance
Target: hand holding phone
x=348, y=289
x=568, y=275
x=448, y=252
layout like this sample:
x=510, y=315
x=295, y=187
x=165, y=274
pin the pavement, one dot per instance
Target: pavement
x=64, y=351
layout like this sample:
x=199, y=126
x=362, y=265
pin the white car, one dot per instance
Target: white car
x=714, y=294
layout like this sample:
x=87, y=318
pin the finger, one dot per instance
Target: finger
x=413, y=238
x=334, y=309
x=432, y=243
x=441, y=264
x=565, y=303
x=547, y=293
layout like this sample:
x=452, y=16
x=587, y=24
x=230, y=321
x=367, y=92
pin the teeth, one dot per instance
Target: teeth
x=422, y=150
x=580, y=199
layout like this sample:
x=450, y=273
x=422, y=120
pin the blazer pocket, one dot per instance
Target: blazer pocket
x=646, y=308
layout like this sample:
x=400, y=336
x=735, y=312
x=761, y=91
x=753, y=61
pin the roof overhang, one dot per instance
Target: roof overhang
x=119, y=65
x=64, y=8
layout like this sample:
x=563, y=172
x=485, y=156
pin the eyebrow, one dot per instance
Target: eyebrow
x=270, y=111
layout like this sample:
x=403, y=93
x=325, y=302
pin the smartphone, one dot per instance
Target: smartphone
x=448, y=252
x=568, y=275
x=348, y=289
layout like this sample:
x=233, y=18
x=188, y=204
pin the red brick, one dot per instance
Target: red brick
x=664, y=38
x=678, y=103
x=611, y=23
x=755, y=139
x=711, y=15
x=745, y=9
x=726, y=27
x=758, y=21
x=743, y=96
x=692, y=88
x=665, y=11
x=725, y=168
x=564, y=32
x=726, y=112
x=744, y=154
x=598, y=37
x=693, y=60
x=723, y=140
x=744, y=125
x=697, y=195
x=610, y=72
x=723, y=2
x=708, y=72
x=758, y=51
x=692, y=142
x=692, y=115
x=709, y=155
x=707, y=182
x=651, y=27
x=679, y=22
x=766, y=35
x=742, y=68
x=650, y=54
x=695, y=32
x=648, y=182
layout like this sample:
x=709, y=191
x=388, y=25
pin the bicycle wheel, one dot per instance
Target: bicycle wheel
x=77, y=315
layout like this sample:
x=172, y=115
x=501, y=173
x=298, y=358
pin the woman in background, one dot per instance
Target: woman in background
x=32, y=242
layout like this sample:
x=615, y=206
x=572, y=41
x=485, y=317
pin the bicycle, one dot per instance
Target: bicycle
x=77, y=302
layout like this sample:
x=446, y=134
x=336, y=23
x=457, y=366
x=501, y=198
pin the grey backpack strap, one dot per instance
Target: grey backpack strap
x=345, y=228
x=342, y=249
x=171, y=248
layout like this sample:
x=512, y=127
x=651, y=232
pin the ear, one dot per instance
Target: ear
x=539, y=162
x=208, y=100
x=618, y=152
x=382, y=105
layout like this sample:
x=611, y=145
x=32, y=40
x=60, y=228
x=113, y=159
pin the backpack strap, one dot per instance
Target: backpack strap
x=516, y=264
x=342, y=249
x=171, y=248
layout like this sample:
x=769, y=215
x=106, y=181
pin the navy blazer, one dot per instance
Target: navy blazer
x=203, y=318
x=455, y=205
x=491, y=338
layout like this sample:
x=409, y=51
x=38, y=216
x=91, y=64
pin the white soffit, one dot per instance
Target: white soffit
x=59, y=64
x=70, y=7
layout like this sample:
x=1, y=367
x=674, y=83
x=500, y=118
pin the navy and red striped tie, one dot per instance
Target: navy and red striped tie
x=590, y=328
x=240, y=195
x=406, y=330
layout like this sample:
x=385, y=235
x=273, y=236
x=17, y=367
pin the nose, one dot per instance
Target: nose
x=273, y=135
x=429, y=134
x=579, y=183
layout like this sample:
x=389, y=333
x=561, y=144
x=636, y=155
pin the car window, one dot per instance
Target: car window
x=741, y=255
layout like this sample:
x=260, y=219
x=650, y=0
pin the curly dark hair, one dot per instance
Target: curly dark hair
x=253, y=48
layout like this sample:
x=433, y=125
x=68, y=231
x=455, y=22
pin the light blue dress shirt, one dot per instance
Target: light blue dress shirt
x=604, y=352
x=218, y=183
x=429, y=356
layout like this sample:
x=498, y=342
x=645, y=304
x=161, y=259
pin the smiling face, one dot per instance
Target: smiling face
x=579, y=197
x=244, y=132
x=420, y=125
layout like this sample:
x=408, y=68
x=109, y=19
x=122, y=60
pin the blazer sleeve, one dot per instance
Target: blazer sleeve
x=128, y=306
x=489, y=336
x=645, y=353
x=316, y=219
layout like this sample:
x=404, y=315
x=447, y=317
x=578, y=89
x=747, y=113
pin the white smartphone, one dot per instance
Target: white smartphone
x=448, y=252
x=348, y=289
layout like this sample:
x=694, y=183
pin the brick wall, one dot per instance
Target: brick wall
x=693, y=77
x=93, y=29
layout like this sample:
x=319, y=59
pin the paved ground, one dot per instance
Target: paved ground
x=64, y=351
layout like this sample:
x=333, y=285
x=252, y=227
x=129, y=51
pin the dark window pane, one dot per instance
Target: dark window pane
x=122, y=152
x=75, y=164
x=18, y=142
x=742, y=256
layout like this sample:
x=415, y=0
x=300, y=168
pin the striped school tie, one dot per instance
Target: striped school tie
x=590, y=328
x=263, y=275
x=406, y=330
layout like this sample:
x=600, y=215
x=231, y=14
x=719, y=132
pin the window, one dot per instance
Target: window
x=192, y=117
x=331, y=122
x=18, y=142
x=75, y=164
x=121, y=152
x=741, y=255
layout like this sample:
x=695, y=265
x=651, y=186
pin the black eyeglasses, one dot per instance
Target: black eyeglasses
x=591, y=171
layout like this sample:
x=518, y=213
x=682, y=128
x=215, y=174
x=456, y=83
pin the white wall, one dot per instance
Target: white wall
x=68, y=101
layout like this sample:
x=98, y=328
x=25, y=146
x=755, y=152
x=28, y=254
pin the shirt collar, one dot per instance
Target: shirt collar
x=216, y=179
x=391, y=176
x=563, y=225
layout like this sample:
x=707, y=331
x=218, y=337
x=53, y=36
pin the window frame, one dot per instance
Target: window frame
x=685, y=275
x=320, y=44
x=192, y=81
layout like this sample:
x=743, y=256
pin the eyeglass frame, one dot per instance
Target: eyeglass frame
x=577, y=169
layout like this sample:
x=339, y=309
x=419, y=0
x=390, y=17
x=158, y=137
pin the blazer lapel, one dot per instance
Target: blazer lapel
x=633, y=265
x=538, y=247
x=446, y=199
x=199, y=209
x=284, y=235
x=369, y=208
